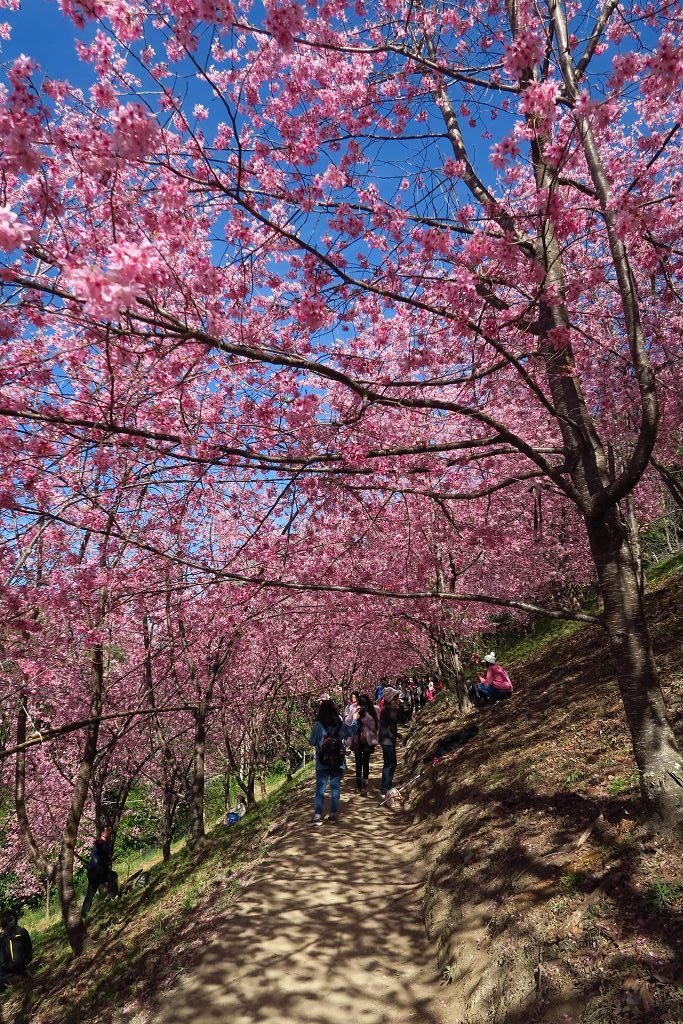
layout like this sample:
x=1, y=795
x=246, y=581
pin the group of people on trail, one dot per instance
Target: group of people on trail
x=412, y=695
x=365, y=725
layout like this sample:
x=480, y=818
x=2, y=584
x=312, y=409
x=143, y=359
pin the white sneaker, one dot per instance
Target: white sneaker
x=317, y=819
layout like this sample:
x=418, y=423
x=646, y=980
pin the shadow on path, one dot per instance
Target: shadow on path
x=331, y=931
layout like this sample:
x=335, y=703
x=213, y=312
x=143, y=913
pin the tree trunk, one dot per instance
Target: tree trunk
x=166, y=833
x=71, y=913
x=37, y=858
x=170, y=804
x=251, y=787
x=197, y=831
x=657, y=754
x=449, y=666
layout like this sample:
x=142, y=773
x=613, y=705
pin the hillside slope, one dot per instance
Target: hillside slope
x=545, y=900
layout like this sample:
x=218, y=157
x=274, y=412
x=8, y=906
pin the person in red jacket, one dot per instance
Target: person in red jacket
x=496, y=684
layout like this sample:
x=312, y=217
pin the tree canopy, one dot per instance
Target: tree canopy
x=328, y=329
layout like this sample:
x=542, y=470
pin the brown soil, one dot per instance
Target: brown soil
x=330, y=933
x=545, y=899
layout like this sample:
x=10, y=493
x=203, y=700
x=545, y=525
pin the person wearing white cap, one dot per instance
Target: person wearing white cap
x=388, y=733
x=496, y=684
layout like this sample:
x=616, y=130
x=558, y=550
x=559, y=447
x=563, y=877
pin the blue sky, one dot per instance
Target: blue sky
x=41, y=31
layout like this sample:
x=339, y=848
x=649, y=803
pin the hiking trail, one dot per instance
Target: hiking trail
x=329, y=931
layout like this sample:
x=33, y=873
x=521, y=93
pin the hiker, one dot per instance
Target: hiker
x=388, y=734
x=495, y=685
x=327, y=735
x=405, y=704
x=364, y=742
x=99, y=870
x=16, y=949
x=430, y=692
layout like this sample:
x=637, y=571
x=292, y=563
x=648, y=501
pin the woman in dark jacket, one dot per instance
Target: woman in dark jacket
x=328, y=766
x=388, y=733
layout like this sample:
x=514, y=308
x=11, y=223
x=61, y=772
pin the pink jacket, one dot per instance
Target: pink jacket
x=498, y=677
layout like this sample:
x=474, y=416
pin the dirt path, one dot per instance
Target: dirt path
x=330, y=931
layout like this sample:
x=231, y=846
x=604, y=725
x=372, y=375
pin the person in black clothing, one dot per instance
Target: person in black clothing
x=99, y=870
x=388, y=733
x=16, y=949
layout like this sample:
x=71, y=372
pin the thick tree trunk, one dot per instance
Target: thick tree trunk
x=251, y=789
x=169, y=768
x=449, y=666
x=657, y=754
x=71, y=912
x=197, y=830
x=166, y=831
x=37, y=858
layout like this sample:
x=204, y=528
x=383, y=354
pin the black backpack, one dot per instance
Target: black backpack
x=18, y=950
x=331, y=751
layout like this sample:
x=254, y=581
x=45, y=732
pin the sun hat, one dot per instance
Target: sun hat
x=389, y=693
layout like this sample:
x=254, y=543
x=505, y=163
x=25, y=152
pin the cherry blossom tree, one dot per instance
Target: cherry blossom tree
x=293, y=277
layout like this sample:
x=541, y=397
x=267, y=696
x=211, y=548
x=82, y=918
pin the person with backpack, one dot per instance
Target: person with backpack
x=327, y=737
x=364, y=743
x=16, y=948
x=98, y=869
x=388, y=735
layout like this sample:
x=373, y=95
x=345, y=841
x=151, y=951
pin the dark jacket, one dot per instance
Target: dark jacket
x=99, y=865
x=16, y=950
x=388, y=726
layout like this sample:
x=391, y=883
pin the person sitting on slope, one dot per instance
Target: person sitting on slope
x=496, y=684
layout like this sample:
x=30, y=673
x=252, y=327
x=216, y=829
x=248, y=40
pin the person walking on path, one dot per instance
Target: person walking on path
x=388, y=734
x=99, y=870
x=364, y=743
x=354, y=700
x=327, y=735
x=16, y=949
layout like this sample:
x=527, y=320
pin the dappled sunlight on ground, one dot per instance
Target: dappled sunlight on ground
x=332, y=931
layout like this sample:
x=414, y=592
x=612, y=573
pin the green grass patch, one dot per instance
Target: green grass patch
x=141, y=933
x=662, y=895
x=665, y=570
